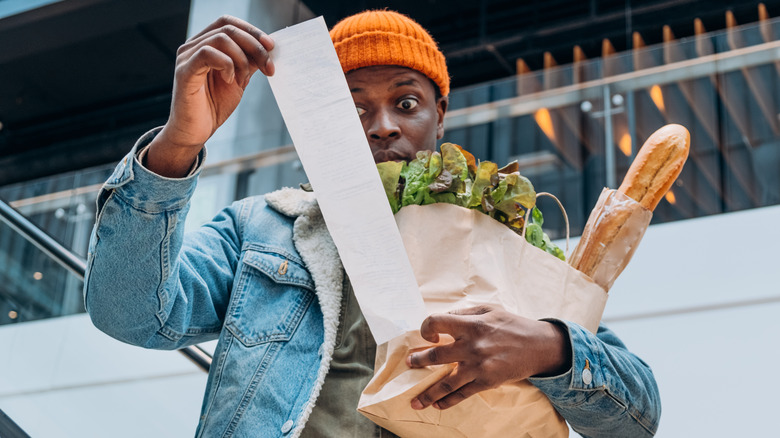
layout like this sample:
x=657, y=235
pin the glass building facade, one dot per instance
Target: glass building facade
x=573, y=129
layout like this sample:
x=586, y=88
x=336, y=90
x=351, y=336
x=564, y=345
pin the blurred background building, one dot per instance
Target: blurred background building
x=568, y=88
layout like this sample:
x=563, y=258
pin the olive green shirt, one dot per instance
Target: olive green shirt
x=335, y=414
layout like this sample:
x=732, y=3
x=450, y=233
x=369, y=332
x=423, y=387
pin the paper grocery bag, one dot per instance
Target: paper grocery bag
x=462, y=258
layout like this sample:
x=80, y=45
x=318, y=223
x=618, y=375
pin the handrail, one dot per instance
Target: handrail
x=43, y=241
x=9, y=429
x=75, y=264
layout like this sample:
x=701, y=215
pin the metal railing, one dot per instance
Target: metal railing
x=75, y=264
x=9, y=429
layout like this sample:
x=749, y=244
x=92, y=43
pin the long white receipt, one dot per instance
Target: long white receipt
x=317, y=106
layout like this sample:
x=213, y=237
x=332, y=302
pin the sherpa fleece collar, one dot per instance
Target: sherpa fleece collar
x=318, y=252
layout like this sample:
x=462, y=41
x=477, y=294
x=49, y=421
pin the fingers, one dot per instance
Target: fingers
x=246, y=45
x=452, y=323
x=227, y=20
x=456, y=323
x=434, y=356
x=440, y=323
x=449, y=391
x=476, y=310
x=237, y=39
x=208, y=58
x=458, y=396
x=488, y=349
x=448, y=385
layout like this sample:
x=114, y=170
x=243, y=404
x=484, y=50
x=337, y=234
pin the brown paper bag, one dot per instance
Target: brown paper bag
x=614, y=229
x=462, y=258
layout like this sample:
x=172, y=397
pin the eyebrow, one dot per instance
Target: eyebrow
x=400, y=84
x=404, y=83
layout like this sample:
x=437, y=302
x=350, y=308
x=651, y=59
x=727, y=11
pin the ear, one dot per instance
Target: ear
x=441, y=109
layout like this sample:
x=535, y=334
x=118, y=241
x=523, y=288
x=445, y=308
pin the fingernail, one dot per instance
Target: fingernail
x=416, y=405
x=409, y=361
x=269, y=42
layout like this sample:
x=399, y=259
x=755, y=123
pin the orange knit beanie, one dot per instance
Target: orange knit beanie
x=389, y=38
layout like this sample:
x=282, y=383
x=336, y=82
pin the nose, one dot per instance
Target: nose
x=383, y=126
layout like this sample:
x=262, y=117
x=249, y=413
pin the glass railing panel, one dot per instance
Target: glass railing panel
x=63, y=206
x=749, y=145
x=591, y=70
x=617, y=64
x=729, y=103
x=769, y=30
x=559, y=148
x=471, y=96
x=32, y=285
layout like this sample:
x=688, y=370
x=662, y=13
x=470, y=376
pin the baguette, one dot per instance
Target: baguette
x=604, y=224
x=657, y=165
x=654, y=170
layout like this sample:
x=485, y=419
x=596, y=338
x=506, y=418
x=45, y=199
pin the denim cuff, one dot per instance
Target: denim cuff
x=144, y=189
x=585, y=375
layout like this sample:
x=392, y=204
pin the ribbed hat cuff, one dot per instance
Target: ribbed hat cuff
x=383, y=48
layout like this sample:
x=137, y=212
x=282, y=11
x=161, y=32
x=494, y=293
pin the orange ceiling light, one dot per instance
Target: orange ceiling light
x=670, y=198
x=625, y=144
x=544, y=120
x=658, y=97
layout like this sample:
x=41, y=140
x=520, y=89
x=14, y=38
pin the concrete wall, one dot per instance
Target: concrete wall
x=63, y=378
x=700, y=303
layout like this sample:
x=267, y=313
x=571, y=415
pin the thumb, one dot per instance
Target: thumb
x=475, y=310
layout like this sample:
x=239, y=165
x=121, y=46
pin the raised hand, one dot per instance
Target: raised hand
x=213, y=69
x=492, y=347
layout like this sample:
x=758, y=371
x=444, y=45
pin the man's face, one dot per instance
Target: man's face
x=398, y=109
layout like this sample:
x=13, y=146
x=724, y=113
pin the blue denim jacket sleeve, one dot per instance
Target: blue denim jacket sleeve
x=608, y=392
x=138, y=288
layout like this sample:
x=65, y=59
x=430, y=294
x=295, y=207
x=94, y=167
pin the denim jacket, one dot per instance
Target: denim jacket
x=264, y=278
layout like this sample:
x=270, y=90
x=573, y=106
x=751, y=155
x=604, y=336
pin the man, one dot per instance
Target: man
x=294, y=350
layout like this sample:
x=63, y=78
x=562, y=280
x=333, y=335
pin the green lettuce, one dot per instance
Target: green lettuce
x=390, y=172
x=454, y=176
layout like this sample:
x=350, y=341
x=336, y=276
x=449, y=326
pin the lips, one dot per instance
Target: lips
x=383, y=155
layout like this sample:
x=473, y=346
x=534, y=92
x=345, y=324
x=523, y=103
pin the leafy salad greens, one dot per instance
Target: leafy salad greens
x=453, y=176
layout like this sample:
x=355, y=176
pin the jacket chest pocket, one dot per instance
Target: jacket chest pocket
x=269, y=299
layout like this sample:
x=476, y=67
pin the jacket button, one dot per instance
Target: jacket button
x=587, y=376
x=287, y=426
x=283, y=268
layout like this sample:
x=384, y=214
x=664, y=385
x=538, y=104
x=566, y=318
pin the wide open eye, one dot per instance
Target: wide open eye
x=407, y=104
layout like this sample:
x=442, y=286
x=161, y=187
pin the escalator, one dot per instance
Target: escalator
x=26, y=252
x=40, y=279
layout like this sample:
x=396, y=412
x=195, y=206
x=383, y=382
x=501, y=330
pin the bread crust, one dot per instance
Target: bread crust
x=612, y=221
x=587, y=257
x=657, y=165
